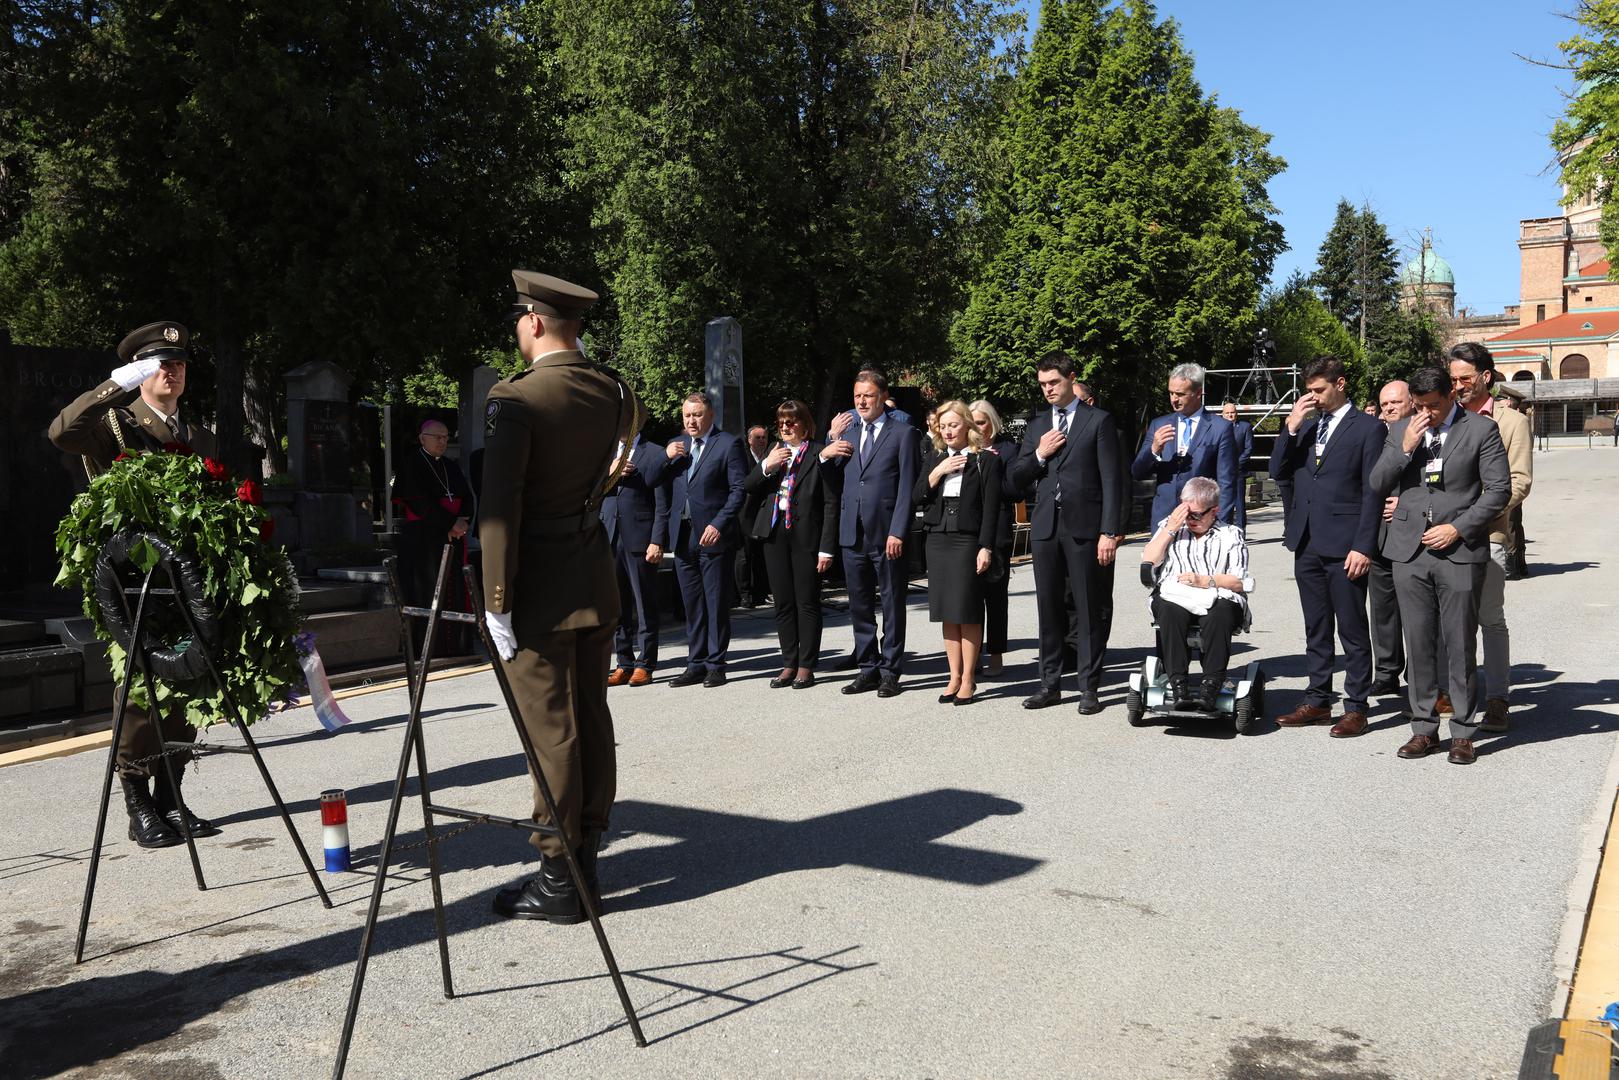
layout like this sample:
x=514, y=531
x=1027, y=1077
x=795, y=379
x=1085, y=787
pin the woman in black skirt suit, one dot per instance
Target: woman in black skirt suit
x=959, y=493
x=1005, y=449
x=797, y=520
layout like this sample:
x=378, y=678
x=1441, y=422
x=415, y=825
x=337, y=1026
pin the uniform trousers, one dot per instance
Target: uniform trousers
x=139, y=739
x=1066, y=568
x=560, y=682
x=796, y=588
x=1330, y=599
x=1439, y=609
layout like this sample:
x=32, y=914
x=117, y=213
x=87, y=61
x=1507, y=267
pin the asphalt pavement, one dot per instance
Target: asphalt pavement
x=804, y=884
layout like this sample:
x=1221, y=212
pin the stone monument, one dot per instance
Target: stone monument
x=321, y=455
x=723, y=373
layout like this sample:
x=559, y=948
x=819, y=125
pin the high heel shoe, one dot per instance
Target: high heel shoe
x=968, y=700
x=947, y=697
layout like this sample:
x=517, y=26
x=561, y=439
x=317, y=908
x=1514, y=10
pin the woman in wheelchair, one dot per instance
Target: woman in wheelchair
x=1198, y=570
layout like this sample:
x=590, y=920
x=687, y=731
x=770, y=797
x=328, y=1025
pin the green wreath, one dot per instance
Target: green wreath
x=218, y=526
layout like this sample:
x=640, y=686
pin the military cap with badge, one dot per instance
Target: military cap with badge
x=148, y=348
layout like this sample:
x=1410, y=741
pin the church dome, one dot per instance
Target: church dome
x=1436, y=272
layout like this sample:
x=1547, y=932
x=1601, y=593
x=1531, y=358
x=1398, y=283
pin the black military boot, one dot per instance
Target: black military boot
x=147, y=826
x=171, y=812
x=548, y=895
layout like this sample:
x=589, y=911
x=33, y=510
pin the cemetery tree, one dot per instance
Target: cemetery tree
x=1357, y=271
x=1137, y=229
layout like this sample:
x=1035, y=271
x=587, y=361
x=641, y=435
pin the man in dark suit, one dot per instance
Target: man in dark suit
x=1070, y=454
x=1102, y=596
x=700, y=507
x=879, y=456
x=1189, y=441
x=138, y=409
x=630, y=512
x=1388, y=643
x=1448, y=469
x=752, y=583
x=1243, y=432
x=1327, y=447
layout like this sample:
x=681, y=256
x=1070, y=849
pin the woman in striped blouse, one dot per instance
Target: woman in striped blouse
x=1200, y=567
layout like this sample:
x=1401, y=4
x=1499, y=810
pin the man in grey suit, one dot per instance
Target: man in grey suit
x=1448, y=469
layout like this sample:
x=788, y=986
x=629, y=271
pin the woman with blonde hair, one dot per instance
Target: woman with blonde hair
x=996, y=602
x=959, y=493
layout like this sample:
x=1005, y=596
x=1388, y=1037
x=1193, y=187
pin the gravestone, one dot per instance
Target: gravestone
x=723, y=373
x=321, y=455
x=475, y=389
x=38, y=481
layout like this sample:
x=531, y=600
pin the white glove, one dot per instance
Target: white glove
x=500, y=633
x=132, y=375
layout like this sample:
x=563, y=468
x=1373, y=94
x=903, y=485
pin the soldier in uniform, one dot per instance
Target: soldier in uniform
x=138, y=408
x=555, y=437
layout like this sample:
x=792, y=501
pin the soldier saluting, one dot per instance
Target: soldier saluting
x=138, y=408
x=554, y=436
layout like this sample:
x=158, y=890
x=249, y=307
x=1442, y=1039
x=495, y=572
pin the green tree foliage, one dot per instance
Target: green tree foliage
x=1303, y=328
x=1137, y=230
x=809, y=168
x=1586, y=138
x=295, y=180
x=1357, y=270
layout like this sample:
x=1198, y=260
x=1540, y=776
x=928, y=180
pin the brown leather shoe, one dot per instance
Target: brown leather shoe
x=1420, y=746
x=619, y=677
x=641, y=677
x=1352, y=724
x=1305, y=715
x=1442, y=706
x=1461, y=752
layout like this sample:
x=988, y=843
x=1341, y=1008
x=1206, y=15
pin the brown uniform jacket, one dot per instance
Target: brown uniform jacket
x=550, y=435
x=82, y=427
x=1520, y=444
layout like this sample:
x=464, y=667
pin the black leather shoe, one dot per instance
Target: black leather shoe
x=888, y=686
x=689, y=677
x=781, y=682
x=1089, y=703
x=805, y=683
x=1386, y=688
x=1208, y=694
x=864, y=683
x=1177, y=695
x=171, y=813
x=147, y=826
x=548, y=895
x=713, y=679
x=1045, y=699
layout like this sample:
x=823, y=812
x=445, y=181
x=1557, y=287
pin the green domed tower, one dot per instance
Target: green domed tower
x=1427, y=282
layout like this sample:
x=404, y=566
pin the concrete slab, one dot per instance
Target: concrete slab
x=804, y=884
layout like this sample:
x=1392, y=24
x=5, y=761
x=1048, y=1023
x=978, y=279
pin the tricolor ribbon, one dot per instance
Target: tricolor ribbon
x=327, y=711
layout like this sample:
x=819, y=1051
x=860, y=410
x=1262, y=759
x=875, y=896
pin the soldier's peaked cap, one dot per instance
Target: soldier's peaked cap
x=549, y=295
x=163, y=340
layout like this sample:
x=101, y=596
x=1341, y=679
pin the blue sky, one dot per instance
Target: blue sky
x=1420, y=108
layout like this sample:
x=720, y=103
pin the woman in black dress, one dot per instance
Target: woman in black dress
x=959, y=493
x=797, y=521
x=1005, y=449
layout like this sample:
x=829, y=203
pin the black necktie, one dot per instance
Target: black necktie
x=1062, y=429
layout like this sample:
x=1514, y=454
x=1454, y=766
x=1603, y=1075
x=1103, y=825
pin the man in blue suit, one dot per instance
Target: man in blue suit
x=1244, y=433
x=630, y=513
x=1188, y=442
x=879, y=457
x=1329, y=448
x=700, y=507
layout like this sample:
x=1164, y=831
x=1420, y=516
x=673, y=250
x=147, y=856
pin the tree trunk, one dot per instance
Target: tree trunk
x=259, y=400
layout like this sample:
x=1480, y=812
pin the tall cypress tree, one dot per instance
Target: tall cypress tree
x=1136, y=229
x=1357, y=271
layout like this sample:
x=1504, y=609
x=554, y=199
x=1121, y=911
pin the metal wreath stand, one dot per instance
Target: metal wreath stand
x=156, y=660
x=416, y=680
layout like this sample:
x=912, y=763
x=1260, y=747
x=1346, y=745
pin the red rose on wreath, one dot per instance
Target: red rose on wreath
x=266, y=530
x=249, y=492
x=123, y=456
x=216, y=471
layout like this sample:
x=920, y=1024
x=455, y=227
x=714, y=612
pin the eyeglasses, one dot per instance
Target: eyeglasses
x=1199, y=515
x=787, y=421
